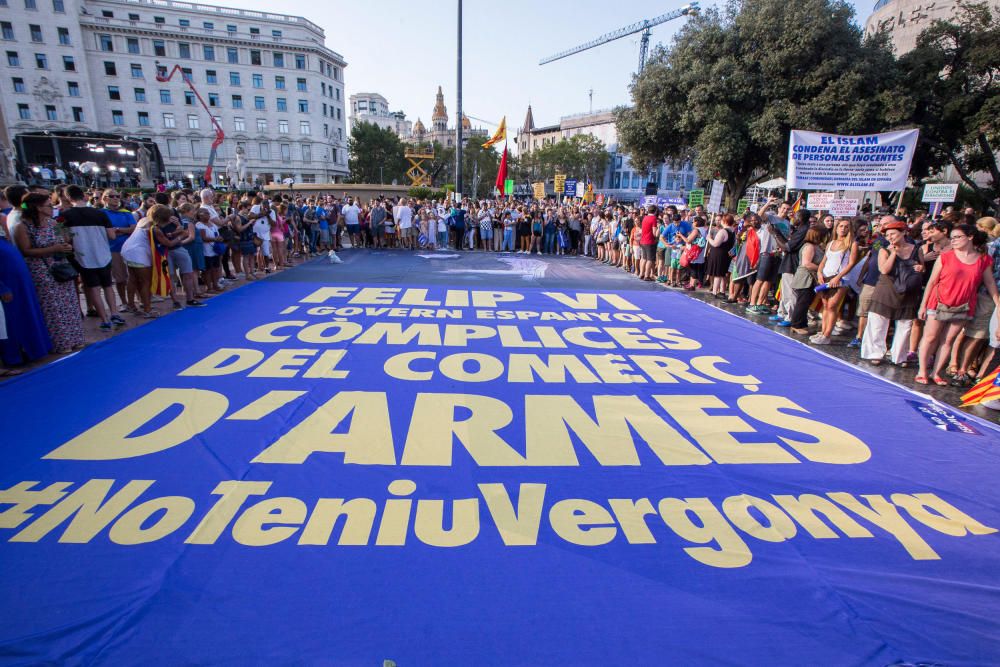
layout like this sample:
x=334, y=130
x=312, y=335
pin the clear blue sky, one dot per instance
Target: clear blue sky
x=404, y=50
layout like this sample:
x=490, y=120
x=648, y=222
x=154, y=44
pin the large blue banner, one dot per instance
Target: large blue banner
x=344, y=474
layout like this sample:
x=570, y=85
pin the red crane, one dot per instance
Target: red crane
x=219, y=134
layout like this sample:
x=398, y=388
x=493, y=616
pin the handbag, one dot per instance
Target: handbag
x=219, y=248
x=62, y=271
x=690, y=254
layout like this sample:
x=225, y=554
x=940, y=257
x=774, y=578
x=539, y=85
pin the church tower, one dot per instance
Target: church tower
x=440, y=116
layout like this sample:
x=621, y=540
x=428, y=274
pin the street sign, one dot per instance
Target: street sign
x=570, y=189
x=843, y=208
x=715, y=197
x=696, y=198
x=942, y=192
x=819, y=201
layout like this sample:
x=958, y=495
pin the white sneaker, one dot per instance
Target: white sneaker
x=820, y=339
x=332, y=256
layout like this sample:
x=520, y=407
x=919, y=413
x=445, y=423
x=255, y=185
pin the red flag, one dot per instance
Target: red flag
x=502, y=172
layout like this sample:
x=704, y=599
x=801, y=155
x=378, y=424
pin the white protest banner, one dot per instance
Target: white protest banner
x=819, y=201
x=581, y=189
x=942, y=192
x=843, y=208
x=820, y=161
x=715, y=197
x=649, y=199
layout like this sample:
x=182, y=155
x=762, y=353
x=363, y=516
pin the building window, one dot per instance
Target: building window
x=282, y=104
x=279, y=82
x=209, y=52
x=326, y=130
x=230, y=28
x=195, y=148
x=188, y=98
x=171, y=148
x=279, y=59
x=7, y=29
x=276, y=33
x=211, y=77
x=159, y=19
x=13, y=59
x=132, y=43
x=184, y=23
x=41, y=61
x=136, y=70
x=133, y=17
x=36, y=33
x=165, y=97
x=234, y=78
x=140, y=94
x=303, y=106
x=282, y=127
x=300, y=85
x=300, y=61
x=69, y=65
x=261, y=125
x=159, y=48
x=117, y=117
x=307, y=153
x=78, y=114
x=110, y=69
x=73, y=88
x=336, y=74
x=286, y=152
x=213, y=99
x=58, y=6
x=143, y=119
x=30, y=4
x=18, y=84
x=258, y=103
x=107, y=13
x=308, y=178
x=264, y=149
x=338, y=113
x=338, y=94
x=23, y=112
x=237, y=101
x=208, y=25
x=324, y=109
x=254, y=57
x=184, y=50
x=304, y=127
x=105, y=43
x=168, y=120
x=161, y=71
x=254, y=31
x=257, y=80
x=232, y=55
x=193, y=121
x=113, y=93
x=239, y=124
x=50, y=112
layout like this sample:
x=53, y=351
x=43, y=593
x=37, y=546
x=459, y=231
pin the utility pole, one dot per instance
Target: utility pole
x=591, y=92
x=458, y=125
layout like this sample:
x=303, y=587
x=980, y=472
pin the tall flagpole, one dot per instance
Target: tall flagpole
x=458, y=125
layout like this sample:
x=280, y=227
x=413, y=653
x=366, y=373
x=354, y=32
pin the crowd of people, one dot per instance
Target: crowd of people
x=930, y=283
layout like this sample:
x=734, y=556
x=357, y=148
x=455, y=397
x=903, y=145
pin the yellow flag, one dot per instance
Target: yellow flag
x=499, y=135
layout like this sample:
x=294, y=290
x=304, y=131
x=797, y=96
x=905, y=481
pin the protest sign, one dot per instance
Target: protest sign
x=821, y=161
x=940, y=192
x=843, y=208
x=819, y=201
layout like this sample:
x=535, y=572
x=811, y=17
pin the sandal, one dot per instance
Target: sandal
x=961, y=380
x=150, y=315
x=921, y=379
x=940, y=382
x=875, y=362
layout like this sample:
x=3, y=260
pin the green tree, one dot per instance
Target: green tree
x=375, y=155
x=580, y=156
x=950, y=89
x=734, y=82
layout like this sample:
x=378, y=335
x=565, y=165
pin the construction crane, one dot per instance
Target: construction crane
x=219, y=134
x=645, y=27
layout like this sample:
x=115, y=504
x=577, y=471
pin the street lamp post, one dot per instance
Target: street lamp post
x=458, y=125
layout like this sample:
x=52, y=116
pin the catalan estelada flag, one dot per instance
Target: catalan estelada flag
x=986, y=390
x=499, y=135
x=161, y=270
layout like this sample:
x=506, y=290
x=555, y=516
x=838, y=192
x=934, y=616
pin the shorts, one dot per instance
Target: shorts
x=675, y=262
x=324, y=237
x=768, y=266
x=96, y=277
x=248, y=249
x=994, y=343
x=979, y=327
x=486, y=234
x=661, y=255
x=138, y=265
x=265, y=247
x=865, y=300
x=523, y=229
x=648, y=251
x=536, y=233
x=179, y=260
x=353, y=229
x=119, y=271
x=213, y=262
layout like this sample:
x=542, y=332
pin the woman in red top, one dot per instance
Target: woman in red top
x=950, y=298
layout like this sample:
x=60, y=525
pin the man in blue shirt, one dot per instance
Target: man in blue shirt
x=123, y=223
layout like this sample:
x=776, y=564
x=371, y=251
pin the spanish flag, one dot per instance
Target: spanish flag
x=499, y=135
x=987, y=389
x=161, y=272
x=798, y=204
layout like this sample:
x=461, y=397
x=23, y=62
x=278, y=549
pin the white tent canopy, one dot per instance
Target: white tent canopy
x=772, y=184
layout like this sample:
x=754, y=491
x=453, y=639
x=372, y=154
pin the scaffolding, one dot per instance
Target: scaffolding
x=416, y=156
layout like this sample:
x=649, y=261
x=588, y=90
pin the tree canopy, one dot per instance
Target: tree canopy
x=950, y=89
x=735, y=81
x=580, y=156
x=375, y=155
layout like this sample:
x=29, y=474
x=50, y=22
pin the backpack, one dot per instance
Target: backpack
x=904, y=278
